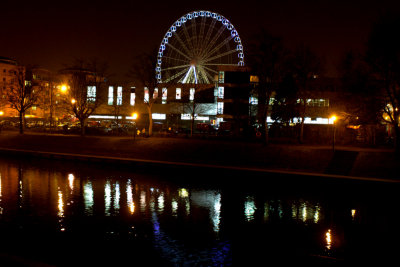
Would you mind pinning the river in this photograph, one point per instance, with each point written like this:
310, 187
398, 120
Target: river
65, 213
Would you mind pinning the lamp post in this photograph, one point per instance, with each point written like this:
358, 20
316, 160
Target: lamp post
63, 88
134, 117
333, 119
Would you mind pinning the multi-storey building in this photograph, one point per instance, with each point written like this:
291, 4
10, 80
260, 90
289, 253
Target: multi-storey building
8, 69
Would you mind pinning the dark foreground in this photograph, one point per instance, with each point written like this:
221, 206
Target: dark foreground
61, 213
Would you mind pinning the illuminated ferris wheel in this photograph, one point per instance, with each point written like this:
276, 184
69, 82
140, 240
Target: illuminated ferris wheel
195, 45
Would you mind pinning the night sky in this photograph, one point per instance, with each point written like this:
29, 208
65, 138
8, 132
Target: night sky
52, 34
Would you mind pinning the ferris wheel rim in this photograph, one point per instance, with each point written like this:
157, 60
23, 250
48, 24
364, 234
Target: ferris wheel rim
181, 22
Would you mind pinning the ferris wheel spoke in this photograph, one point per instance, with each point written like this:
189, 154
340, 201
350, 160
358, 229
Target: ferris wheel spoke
209, 69
175, 59
187, 36
176, 67
205, 74
219, 55
208, 35
178, 51
184, 46
217, 48
213, 40
176, 75
201, 34
194, 34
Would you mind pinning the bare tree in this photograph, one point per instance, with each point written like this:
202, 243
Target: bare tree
196, 101
306, 67
86, 82
383, 55
143, 73
21, 95
266, 55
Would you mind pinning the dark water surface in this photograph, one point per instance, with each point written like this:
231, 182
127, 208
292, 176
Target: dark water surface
84, 214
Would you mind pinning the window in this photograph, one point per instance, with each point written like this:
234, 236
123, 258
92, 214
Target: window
110, 95
221, 77
220, 108
155, 93
91, 94
158, 116
178, 93
119, 95
146, 95
164, 95
191, 94
133, 96
221, 92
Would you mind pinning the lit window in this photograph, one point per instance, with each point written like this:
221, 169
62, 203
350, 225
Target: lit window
221, 92
253, 100
119, 95
158, 116
164, 95
191, 94
155, 93
221, 77
91, 93
146, 95
220, 108
178, 93
110, 95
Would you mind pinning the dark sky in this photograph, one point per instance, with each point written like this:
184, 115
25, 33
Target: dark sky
53, 33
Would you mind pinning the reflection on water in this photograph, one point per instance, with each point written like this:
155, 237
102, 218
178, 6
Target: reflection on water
189, 226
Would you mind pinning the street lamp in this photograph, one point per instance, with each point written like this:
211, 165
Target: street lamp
134, 117
63, 88
333, 119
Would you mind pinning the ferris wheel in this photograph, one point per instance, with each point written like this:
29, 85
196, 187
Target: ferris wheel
195, 45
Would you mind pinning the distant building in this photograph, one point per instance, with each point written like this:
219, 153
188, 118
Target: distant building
8, 68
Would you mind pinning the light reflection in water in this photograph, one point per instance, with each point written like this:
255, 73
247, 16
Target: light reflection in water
143, 201
211, 200
117, 196
71, 179
165, 205
353, 214
88, 198
174, 207
249, 208
328, 239
306, 212
161, 202
129, 197
60, 206
107, 198
216, 213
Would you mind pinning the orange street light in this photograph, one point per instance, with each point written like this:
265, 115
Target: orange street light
1, 113
134, 116
333, 118
73, 101
63, 88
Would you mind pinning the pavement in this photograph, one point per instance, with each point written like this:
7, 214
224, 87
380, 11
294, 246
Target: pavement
373, 164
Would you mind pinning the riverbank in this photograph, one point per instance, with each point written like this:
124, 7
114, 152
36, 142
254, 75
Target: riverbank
350, 162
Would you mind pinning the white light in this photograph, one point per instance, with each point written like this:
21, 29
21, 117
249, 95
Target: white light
158, 116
